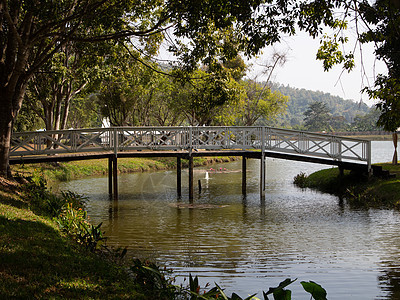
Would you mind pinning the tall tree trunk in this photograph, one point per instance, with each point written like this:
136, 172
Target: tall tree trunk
5, 136
10, 103
65, 112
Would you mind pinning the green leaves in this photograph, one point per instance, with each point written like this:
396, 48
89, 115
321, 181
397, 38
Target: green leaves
279, 292
331, 55
316, 291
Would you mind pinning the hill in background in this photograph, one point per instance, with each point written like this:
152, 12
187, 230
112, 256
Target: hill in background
300, 99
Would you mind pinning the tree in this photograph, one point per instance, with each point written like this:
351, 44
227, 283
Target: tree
164, 109
260, 101
385, 16
381, 20
366, 122
203, 100
61, 79
317, 117
31, 32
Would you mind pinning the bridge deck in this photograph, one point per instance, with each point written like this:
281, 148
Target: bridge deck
184, 155
188, 142
191, 139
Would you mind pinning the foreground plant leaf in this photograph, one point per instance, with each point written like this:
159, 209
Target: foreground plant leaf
316, 291
279, 292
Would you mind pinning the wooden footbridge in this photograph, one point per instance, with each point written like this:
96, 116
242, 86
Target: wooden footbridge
256, 142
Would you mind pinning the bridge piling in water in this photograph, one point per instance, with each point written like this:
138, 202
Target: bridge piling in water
115, 177
179, 176
262, 175
110, 176
244, 175
191, 186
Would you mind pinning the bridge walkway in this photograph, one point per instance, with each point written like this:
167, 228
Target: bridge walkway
188, 142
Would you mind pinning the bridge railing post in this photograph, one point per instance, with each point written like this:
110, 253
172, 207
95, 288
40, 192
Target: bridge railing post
190, 139
37, 143
115, 140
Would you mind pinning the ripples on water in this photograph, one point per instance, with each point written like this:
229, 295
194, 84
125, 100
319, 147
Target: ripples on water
247, 245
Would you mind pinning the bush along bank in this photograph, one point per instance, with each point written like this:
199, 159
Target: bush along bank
49, 249
356, 189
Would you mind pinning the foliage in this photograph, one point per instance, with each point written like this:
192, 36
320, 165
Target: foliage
153, 280
47, 264
367, 122
300, 180
203, 99
126, 88
358, 190
259, 101
381, 20
279, 293
316, 117
32, 33
67, 210
384, 17
74, 222
42, 201
300, 99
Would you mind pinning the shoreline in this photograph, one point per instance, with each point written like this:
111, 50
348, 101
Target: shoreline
65, 171
358, 190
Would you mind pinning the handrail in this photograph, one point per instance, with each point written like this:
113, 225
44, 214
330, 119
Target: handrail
116, 139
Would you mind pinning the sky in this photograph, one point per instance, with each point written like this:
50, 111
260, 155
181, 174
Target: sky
302, 70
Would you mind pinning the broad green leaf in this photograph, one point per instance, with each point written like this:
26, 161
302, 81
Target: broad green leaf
316, 291
281, 286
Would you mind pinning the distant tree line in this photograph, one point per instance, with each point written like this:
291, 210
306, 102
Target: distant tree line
319, 111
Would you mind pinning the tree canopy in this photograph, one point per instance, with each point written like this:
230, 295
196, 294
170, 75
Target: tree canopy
209, 32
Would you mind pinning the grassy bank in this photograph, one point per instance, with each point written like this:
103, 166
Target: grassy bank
78, 169
359, 190
39, 260
386, 137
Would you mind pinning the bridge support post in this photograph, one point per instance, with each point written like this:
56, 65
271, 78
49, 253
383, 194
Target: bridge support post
191, 187
262, 164
262, 175
244, 178
179, 176
110, 175
115, 177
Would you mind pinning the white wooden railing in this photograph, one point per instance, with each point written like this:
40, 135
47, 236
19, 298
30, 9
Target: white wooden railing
118, 139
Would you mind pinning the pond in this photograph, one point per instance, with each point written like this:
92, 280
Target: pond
247, 245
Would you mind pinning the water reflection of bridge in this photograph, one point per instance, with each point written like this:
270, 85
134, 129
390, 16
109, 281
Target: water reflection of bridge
255, 142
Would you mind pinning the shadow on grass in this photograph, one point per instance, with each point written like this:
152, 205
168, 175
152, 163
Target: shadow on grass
37, 262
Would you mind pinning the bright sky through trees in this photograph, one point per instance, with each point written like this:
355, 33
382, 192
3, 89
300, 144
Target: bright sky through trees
302, 70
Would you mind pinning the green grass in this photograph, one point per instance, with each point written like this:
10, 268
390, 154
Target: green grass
39, 261
359, 190
78, 169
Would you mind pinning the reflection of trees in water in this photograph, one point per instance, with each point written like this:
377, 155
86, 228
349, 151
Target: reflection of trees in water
389, 282
389, 279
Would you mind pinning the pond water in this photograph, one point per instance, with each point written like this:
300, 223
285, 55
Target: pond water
247, 245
